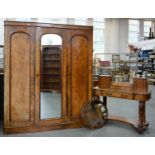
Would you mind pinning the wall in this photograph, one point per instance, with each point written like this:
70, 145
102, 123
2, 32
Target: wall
116, 35
111, 35
123, 35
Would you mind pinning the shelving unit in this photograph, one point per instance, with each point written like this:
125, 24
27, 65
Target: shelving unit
151, 65
120, 64
141, 63
146, 58
51, 68
146, 64
132, 61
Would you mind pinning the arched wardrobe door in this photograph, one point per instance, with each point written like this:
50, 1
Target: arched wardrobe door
80, 71
50, 83
19, 77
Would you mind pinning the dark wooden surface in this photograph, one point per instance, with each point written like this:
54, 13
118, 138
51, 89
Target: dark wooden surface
23, 74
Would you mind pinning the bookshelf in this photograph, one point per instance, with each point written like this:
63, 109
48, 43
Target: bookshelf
51, 68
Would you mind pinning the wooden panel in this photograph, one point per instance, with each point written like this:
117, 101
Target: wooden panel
58, 126
140, 85
20, 77
79, 74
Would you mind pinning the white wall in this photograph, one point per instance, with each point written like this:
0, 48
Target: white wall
111, 35
116, 35
123, 36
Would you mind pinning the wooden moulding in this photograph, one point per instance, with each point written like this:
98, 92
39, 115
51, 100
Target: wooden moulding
140, 85
105, 81
31, 129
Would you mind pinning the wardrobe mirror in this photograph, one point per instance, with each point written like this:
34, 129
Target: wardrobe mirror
50, 80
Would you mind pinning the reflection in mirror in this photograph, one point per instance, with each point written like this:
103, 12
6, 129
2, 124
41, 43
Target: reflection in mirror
50, 81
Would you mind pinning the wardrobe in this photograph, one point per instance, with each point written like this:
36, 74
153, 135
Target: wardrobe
32, 64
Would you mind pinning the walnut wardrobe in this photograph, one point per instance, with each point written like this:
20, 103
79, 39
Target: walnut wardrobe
48, 75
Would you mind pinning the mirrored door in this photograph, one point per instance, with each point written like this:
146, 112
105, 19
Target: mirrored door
50, 79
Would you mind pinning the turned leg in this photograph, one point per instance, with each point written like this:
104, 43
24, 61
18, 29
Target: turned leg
142, 119
105, 101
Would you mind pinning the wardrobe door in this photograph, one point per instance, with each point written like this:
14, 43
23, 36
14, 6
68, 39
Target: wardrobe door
19, 76
80, 71
50, 83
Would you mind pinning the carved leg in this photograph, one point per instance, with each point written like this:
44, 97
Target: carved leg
105, 104
142, 119
105, 101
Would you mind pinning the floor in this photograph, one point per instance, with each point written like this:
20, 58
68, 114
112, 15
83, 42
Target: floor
121, 107
50, 105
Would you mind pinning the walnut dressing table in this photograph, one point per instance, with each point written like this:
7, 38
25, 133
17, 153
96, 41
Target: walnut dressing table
136, 91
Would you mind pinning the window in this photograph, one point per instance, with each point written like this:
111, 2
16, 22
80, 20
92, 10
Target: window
98, 40
147, 26
53, 20
133, 31
81, 21
1, 40
23, 19
59, 20
98, 32
2, 31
